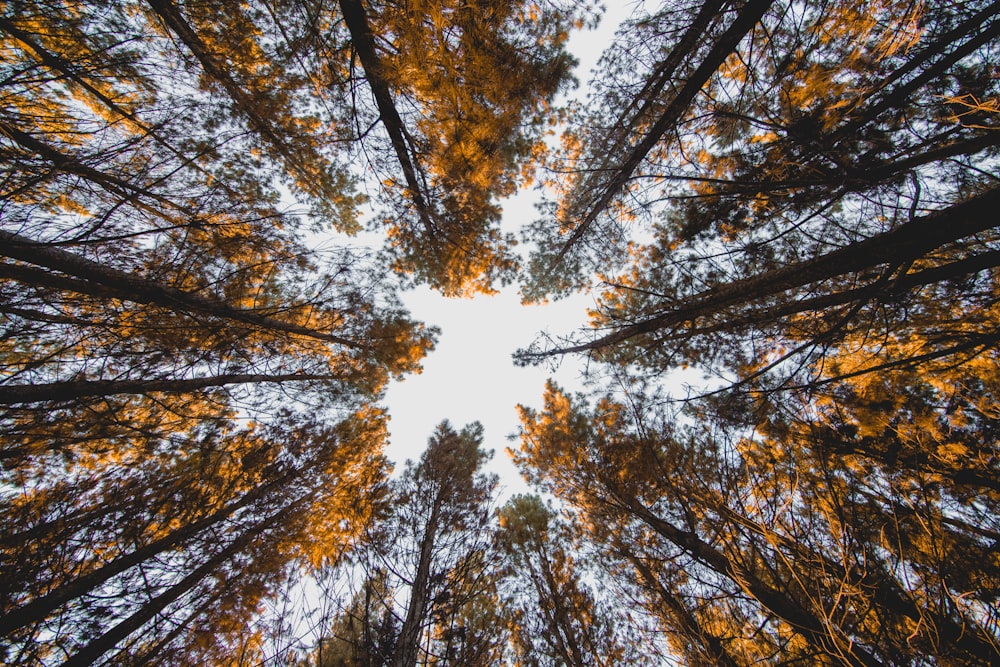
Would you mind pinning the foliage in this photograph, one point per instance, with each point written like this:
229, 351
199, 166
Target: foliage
796, 200
427, 594
790, 199
798, 542
189, 391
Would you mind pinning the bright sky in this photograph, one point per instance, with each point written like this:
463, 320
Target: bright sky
470, 376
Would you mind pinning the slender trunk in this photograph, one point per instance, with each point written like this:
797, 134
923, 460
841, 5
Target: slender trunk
77, 389
155, 655
800, 619
859, 175
660, 76
922, 461
33, 315
892, 289
171, 16
120, 284
408, 644
909, 241
364, 46
42, 607
561, 625
972, 344
863, 177
68, 69
980, 36
71, 165
744, 22
675, 613
107, 641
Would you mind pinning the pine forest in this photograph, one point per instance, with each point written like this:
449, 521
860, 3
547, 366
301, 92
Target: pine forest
210, 213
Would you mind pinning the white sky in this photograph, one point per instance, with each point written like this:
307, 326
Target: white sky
470, 376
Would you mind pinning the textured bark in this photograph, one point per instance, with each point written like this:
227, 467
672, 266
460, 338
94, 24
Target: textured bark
77, 389
909, 241
130, 287
41, 607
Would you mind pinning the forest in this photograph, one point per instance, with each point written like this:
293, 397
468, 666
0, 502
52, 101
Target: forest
209, 211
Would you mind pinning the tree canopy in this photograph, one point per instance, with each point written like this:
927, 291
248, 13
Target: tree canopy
794, 201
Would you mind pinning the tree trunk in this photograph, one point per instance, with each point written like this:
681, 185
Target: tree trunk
801, 620
408, 644
107, 641
762, 317
130, 287
744, 22
66, 68
980, 36
909, 241
552, 605
364, 46
71, 165
41, 607
77, 389
178, 25
673, 611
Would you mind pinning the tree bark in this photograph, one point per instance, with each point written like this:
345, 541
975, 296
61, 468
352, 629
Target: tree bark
909, 241
77, 389
130, 287
41, 607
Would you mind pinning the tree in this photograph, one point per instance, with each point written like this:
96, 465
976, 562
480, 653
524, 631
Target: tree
557, 620
364, 634
189, 391
803, 136
428, 592
159, 541
727, 532
462, 90
771, 234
